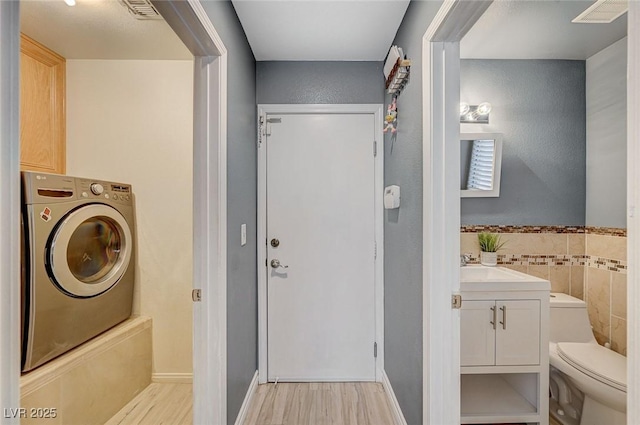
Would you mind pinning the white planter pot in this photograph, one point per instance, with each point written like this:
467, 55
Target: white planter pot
488, 258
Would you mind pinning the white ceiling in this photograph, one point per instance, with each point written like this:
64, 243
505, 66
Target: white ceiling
98, 29
538, 30
352, 30
316, 30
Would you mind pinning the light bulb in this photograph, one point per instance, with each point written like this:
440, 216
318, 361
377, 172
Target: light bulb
484, 108
464, 108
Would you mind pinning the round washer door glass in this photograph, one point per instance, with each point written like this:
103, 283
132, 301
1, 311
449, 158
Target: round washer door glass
90, 250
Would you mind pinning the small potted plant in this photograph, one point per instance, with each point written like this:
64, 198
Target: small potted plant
490, 243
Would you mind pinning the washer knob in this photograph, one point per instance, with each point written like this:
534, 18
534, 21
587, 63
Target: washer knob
97, 188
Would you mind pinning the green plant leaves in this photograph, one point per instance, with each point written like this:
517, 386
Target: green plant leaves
490, 242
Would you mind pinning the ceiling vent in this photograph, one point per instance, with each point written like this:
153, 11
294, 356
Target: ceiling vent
141, 9
602, 12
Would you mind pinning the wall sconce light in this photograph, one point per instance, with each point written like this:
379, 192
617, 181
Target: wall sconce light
475, 114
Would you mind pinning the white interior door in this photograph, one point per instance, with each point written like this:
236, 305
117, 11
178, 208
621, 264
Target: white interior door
320, 209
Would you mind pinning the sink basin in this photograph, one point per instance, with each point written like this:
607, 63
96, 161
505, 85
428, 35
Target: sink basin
484, 274
483, 278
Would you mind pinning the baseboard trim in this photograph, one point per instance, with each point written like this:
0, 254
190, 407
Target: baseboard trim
244, 409
398, 417
172, 378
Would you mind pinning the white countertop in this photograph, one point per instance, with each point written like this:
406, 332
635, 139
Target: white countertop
484, 278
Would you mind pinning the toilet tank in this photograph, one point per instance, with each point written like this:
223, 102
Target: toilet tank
568, 319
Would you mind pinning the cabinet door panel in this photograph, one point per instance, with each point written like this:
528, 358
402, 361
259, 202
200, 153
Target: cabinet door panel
518, 343
42, 108
477, 334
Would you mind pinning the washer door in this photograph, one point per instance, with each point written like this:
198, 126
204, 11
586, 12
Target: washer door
89, 250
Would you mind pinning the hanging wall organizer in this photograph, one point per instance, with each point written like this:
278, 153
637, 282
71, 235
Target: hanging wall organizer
396, 71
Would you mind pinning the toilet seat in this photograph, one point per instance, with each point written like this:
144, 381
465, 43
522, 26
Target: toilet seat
596, 361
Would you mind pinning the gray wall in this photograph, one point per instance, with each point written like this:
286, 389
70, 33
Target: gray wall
539, 107
607, 137
403, 227
319, 82
242, 298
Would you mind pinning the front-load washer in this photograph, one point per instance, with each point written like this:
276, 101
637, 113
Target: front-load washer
78, 262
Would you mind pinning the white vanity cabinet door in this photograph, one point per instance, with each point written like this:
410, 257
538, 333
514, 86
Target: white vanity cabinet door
518, 340
477, 334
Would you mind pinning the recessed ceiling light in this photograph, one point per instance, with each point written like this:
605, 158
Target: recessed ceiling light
70, 2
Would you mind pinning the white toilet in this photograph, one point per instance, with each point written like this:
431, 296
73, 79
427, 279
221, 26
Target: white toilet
588, 382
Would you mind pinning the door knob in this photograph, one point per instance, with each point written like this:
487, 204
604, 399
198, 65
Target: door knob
275, 242
275, 263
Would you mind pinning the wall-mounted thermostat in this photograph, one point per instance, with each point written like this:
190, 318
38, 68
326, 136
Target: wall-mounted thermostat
391, 197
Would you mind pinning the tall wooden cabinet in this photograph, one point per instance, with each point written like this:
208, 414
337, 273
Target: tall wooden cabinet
42, 108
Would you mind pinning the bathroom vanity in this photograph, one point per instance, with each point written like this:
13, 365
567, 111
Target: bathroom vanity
504, 347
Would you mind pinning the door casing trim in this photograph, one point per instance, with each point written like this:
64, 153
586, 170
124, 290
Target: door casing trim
210, 206
441, 208
10, 207
263, 111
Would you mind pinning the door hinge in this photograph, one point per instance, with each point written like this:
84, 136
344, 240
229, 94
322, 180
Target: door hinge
260, 130
196, 295
375, 350
375, 148
456, 301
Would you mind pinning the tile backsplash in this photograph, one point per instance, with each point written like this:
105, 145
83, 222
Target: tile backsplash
587, 262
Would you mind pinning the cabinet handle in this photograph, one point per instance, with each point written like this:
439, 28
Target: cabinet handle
504, 316
493, 322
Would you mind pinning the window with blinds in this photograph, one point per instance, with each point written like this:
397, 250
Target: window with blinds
481, 165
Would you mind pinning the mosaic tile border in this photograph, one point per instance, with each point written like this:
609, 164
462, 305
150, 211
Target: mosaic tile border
607, 264
605, 231
558, 260
521, 229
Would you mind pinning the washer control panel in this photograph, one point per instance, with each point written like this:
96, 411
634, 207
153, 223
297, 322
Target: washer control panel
115, 192
43, 188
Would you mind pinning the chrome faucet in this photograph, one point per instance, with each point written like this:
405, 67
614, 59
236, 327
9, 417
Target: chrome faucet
464, 259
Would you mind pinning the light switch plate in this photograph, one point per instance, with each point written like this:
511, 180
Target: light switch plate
243, 235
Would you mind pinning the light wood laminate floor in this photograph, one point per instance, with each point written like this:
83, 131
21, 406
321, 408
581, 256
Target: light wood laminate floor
158, 404
351, 403
281, 404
